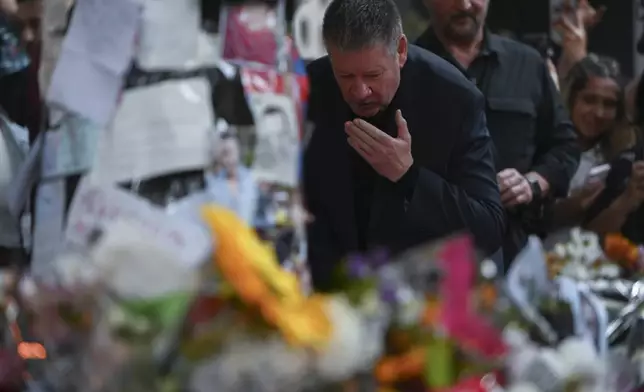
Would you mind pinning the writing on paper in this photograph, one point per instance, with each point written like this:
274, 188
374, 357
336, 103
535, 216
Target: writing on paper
105, 31
96, 206
158, 129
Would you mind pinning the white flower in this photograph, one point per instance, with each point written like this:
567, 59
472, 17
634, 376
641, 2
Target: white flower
352, 347
73, 269
608, 271
247, 364
515, 337
575, 270
410, 309
581, 359
135, 265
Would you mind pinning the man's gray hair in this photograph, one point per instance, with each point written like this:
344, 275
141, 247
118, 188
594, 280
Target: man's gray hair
357, 24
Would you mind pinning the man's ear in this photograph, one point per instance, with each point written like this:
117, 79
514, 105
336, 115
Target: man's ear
403, 46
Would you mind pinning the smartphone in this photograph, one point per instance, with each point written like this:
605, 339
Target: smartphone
599, 173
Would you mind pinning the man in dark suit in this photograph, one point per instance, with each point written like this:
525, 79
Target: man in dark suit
400, 153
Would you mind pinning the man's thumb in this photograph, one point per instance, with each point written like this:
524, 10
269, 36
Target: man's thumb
401, 123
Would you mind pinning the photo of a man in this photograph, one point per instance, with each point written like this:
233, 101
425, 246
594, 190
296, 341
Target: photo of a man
277, 148
229, 182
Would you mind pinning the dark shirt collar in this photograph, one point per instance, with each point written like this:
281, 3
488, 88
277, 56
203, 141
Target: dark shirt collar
492, 45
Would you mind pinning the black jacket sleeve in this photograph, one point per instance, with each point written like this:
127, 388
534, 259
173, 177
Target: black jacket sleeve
557, 154
469, 199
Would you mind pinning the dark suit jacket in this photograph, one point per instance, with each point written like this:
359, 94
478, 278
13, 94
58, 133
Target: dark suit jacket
456, 186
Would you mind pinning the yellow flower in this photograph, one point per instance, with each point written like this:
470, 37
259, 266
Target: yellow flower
252, 269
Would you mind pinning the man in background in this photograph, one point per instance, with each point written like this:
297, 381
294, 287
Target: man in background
536, 150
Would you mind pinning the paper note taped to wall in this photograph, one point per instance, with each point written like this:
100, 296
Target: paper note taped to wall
169, 35
157, 130
95, 206
96, 53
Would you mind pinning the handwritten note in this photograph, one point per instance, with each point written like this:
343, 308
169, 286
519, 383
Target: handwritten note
157, 130
95, 206
70, 148
105, 31
48, 230
169, 34
96, 53
277, 150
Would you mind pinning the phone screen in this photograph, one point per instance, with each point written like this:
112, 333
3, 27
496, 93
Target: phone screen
599, 173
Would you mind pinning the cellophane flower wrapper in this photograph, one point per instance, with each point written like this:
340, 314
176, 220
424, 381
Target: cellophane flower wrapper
115, 324
62, 318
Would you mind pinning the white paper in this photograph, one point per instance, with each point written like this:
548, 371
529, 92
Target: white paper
20, 136
105, 31
569, 292
595, 317
307, 28
94, 206
25, 178
70, 149
157, 130
170, 34
528, 276
96, 53
53, 24
48, 230
277, 150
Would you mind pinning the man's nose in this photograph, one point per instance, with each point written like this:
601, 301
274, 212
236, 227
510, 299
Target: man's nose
28, 35
464, 5
360, 90
601, 112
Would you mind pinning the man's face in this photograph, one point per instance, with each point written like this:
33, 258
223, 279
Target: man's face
30, 13
368, 78
228, 155
458, 20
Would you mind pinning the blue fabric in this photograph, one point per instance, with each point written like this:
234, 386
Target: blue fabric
243, 201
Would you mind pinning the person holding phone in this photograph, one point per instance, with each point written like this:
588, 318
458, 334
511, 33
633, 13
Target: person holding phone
595, 100
621, 208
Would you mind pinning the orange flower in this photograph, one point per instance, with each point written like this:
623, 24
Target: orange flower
252, 269
619, 249
403, 367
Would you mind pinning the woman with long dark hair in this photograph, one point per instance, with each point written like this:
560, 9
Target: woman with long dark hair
595, 100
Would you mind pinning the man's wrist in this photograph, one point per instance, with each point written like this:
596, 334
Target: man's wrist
408, 181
